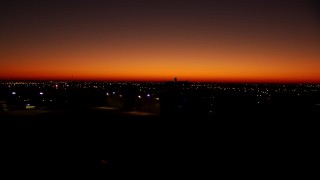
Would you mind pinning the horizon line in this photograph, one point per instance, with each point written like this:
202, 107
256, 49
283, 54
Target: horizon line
172, 80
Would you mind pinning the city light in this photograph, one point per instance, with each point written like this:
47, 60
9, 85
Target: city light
29, 106
185, 96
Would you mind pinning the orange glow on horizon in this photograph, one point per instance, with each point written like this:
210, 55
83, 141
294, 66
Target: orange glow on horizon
227, 41
187, 62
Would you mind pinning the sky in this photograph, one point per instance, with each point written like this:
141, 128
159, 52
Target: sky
157, 40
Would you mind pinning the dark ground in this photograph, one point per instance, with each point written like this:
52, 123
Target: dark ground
98, 144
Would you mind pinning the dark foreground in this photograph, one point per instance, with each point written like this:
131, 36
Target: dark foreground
101, 144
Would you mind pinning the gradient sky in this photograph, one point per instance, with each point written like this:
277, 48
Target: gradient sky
195, 40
